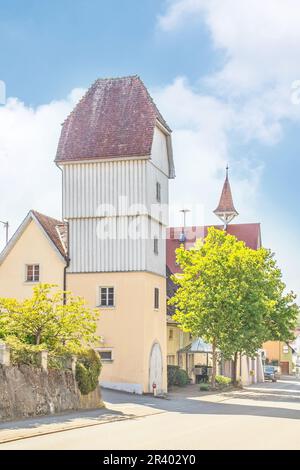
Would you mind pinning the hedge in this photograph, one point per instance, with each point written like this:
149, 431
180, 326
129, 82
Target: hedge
88, 369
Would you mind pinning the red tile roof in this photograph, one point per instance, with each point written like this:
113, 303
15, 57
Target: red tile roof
115, 118
55, 229
249, 233
226, 202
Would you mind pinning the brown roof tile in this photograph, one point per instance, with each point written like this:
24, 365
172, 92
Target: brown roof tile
226, 202
115, 118
55, 229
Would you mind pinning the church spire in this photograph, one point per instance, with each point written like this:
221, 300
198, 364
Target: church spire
226, 210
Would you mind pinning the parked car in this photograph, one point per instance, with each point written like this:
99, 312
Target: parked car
271, 373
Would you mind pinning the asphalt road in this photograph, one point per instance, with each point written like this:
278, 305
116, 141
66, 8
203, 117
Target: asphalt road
264, 416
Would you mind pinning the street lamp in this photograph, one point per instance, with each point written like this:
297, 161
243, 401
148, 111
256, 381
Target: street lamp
5, 224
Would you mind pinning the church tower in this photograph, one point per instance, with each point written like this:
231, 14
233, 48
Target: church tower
226, 210
115, 154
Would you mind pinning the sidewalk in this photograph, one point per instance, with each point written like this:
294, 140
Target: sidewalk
41, 425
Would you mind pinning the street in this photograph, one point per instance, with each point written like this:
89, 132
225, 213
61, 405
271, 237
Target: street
263, 416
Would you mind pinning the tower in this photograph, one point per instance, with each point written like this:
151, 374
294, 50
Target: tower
115, 154
226, 210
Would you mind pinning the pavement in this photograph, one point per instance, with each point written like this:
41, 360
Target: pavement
262, 416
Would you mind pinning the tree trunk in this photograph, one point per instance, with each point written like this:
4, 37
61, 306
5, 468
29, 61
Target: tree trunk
214, 366
234, 366
38, 338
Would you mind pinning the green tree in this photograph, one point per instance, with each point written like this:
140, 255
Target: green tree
45, 319
231, 296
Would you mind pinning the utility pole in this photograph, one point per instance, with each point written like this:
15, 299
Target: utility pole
6, 225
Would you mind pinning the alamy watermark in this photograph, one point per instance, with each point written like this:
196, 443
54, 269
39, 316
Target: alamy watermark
125, 221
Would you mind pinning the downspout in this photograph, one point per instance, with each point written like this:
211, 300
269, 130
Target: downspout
66, 266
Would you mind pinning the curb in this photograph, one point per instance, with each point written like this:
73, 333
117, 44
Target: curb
70, 428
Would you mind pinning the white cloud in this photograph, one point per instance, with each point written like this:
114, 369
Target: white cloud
201, 148
256, 90
29, 178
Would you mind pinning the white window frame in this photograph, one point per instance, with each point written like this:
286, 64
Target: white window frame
100, 296
34, 265
111, 350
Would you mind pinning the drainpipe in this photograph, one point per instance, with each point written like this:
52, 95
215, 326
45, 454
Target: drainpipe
66, 266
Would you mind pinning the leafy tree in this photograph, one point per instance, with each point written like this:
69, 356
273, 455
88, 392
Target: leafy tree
45, 320
231, 296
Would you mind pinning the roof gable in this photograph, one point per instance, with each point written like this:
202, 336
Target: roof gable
53, 229
114, 119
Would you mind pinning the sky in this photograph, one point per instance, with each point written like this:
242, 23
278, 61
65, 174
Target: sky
224, 74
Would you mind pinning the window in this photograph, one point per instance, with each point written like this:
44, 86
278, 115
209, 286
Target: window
190, 336
285, 349
156, 297
32, 273
155, 245
107, 297
106, 355
170, 334
158, 192
171, 360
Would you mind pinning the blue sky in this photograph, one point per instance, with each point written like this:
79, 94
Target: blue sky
221, 73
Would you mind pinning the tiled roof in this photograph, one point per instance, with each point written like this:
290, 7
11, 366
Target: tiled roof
249, 233
55, 229
115, 118
226, 202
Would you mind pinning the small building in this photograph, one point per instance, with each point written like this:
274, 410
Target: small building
280, 354
37, 252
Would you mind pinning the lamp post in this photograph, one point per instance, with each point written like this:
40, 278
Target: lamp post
6, 225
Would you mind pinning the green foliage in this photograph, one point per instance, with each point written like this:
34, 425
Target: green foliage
44, 319
231, 296
222, 380
177, 376
182, 378
204, 387
59, 362
172, 371
22, 353
88, 369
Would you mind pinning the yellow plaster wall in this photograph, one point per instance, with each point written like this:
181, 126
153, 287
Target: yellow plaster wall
180, 340
274, 352
32, 248
132, 326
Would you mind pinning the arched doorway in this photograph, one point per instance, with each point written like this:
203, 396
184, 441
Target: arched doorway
156, 368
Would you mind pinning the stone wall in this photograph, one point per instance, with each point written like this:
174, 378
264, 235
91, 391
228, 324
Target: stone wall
30, 391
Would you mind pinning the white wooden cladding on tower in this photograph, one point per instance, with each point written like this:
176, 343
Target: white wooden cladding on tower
104, 202
113, 188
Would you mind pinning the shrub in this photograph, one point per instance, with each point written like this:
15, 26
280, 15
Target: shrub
22, 353
182, 378
222, 380
172, 371
88, 369
177, 376
204, 387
